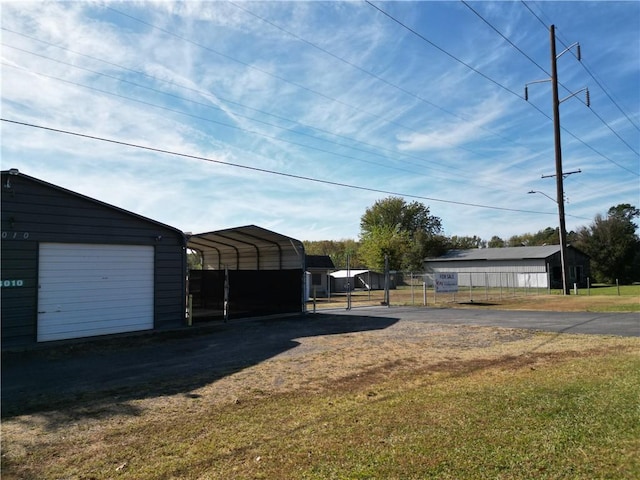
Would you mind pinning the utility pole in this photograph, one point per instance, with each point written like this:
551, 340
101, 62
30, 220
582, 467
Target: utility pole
558, 148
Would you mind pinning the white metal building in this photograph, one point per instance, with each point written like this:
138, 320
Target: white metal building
531, 267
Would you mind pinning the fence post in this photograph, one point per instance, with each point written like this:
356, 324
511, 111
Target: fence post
486, 286
424, 292
348, 283
412, 302
588, 287
618, 286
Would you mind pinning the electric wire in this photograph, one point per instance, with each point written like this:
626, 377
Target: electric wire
310, 90
585, 66
352, 106
413, 31
504, 37
245, 130
215, 97
267, 171
332, 99
541, 68
437, 47
217, 122
367, 72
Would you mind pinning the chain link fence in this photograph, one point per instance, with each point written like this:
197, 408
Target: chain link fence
419, 289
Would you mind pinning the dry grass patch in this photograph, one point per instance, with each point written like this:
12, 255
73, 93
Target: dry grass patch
410, 401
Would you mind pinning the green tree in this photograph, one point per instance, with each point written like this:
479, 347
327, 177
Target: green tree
496, 242
405, 232
384, 241
466, 243
337, 250
613, 245
194, 260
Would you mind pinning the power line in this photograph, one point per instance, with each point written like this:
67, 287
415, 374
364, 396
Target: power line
264, 170
298, 85
437, 47
541, 68
209, 120
207, 94
587, 69
504, 37
217, 122
367, 72
278, 77
257, 69
495, 82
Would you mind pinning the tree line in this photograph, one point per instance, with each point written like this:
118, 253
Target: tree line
406, 233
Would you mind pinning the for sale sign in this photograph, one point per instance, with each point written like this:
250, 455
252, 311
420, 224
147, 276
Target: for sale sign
446, 282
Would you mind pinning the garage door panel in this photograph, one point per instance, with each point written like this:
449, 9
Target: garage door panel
92, 293
88, 309
64, 334
87, 290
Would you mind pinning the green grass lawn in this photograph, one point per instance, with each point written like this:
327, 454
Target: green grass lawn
574, 417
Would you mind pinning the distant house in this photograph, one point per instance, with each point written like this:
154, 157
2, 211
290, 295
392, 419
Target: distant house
536, 267
319, 267
349, 280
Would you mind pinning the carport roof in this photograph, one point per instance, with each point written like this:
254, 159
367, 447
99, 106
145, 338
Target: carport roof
248, 248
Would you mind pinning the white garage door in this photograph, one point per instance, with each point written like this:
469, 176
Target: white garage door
87, 290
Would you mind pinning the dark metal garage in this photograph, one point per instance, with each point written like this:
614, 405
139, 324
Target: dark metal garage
75, 267
246, 271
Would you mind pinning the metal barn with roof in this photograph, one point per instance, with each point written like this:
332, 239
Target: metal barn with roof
75, 267
246, 271
538, 267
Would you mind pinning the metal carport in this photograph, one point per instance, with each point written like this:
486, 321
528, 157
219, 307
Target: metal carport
246, 271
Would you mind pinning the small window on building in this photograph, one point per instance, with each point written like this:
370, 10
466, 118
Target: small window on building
316, 279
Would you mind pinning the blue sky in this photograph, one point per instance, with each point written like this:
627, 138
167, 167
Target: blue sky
297, 116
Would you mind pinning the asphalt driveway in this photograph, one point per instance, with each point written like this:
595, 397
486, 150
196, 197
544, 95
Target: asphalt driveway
622, 324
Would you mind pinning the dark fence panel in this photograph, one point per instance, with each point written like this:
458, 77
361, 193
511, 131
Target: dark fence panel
251, 293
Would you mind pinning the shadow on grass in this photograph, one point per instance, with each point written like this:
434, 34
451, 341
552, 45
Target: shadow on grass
96, 378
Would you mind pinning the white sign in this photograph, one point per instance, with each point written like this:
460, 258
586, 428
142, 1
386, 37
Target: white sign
446, 282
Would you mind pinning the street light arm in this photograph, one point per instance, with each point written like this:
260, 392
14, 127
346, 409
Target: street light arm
542, 193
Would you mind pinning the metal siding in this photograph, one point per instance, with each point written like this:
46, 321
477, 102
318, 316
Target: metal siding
170, 286
88, 290
18, 305
34, 211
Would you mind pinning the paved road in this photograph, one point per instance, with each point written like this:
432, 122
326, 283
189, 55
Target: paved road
622, 324
166, 363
